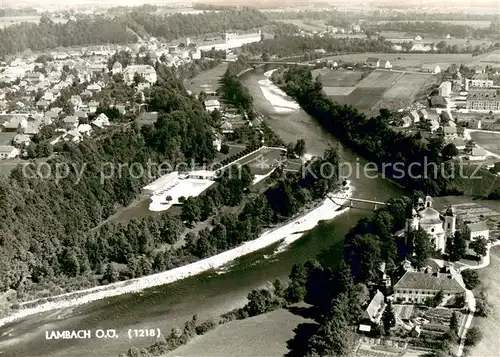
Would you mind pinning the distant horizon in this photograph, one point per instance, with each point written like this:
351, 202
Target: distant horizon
445, 5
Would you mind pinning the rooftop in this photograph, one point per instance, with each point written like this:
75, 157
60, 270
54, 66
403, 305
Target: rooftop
427, 281
477, 227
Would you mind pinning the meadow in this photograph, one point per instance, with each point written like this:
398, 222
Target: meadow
379, 89
207, 81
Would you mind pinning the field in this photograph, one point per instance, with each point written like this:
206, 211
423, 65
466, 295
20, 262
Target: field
380, 79
338, 91
307, 25
406, 89
380, 89
264, 335
9, 21
207, 81
361, 98
489, 58
340, 78
476, 24
489, 141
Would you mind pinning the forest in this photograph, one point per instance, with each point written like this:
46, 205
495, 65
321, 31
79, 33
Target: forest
290, 45
105, 30
433, 170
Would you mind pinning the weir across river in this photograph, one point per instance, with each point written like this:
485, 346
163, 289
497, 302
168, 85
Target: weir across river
351, 200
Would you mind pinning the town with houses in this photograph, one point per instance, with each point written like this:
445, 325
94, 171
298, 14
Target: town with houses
30, 90
62, 95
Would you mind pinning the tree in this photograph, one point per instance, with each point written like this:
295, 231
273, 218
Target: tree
479, 246
296, 289
449, 151
454, 322
470, 278
388, 317
138, 78
333, 337
191, 211
110, 275
224, 149
459, 246
68, 108
473, 336
266, 57
422, 247
300, 147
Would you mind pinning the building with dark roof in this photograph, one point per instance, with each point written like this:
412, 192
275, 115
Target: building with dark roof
484, 99
417, 287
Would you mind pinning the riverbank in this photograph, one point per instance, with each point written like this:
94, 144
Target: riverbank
287, 234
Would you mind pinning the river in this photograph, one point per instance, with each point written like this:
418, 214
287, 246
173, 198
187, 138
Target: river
210, 294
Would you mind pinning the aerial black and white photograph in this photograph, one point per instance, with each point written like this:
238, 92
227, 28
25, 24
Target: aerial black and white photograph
250, 178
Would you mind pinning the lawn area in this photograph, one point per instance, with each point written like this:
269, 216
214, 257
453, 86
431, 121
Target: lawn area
146, 118
263, 335
338, 78
207, 81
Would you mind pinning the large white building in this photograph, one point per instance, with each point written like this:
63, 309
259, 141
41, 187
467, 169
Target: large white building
437, 226
478, 229
230, 41
445, 89
479, 80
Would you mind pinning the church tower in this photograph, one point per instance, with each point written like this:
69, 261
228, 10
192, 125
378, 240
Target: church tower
450, 222
428, 201
412, 222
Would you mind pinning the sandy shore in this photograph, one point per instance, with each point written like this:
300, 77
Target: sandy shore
287, 234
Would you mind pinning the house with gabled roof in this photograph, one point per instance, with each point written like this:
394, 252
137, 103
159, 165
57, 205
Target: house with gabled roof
101, 121
373, 62
71, 122
8, 152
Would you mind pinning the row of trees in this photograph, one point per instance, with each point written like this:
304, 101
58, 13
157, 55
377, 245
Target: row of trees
373, 138
290, 45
